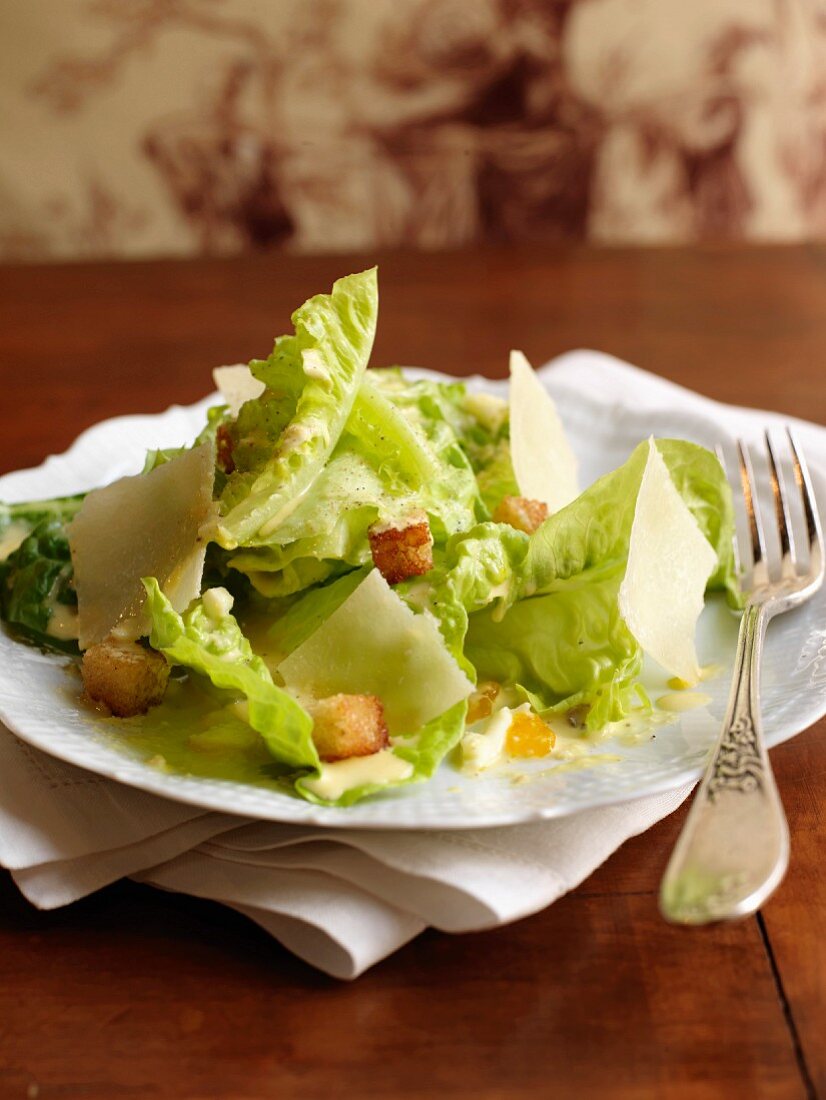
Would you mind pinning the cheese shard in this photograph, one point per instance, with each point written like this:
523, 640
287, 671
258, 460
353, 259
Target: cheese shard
373, 644
237, 385
544, 465
152, 525
669, 563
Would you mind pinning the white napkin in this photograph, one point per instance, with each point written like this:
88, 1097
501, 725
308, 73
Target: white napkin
341, 899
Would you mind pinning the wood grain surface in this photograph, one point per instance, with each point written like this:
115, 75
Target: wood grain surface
136, 993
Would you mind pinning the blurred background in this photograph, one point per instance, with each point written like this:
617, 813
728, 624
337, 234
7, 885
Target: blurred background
136, 128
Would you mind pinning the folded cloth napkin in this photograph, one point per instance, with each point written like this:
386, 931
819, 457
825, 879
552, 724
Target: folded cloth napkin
343, 899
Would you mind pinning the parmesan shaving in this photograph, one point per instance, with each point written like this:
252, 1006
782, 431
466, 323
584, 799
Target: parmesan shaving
669, 563
237, 385
152, 525
543, 462
373, 644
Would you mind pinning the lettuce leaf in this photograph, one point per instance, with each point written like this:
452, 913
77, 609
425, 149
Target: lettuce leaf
567, 649
217, 649
478, 422
594, 530
283, 439
424, 751
36, 579
542, 611
391, 460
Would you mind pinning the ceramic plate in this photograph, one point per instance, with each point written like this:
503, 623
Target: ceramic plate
608, 408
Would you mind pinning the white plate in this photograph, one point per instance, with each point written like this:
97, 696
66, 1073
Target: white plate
608, 407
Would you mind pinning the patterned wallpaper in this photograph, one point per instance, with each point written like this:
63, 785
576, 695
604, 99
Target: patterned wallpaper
144, 127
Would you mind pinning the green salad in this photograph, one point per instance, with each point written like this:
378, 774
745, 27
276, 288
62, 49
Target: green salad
350, 573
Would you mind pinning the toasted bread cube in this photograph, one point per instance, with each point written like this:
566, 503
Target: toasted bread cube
348, 725
124, 677
401, 552
522, 513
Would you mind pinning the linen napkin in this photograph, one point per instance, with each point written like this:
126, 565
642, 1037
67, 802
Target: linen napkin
340, 899
343, 899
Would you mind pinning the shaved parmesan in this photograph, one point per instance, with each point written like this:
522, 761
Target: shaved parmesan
237, 385
669, 563
543, 462
373, 644
151, 525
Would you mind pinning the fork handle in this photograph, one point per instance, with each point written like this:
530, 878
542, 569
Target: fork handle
734, 847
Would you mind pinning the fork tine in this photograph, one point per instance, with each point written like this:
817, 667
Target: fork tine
781, 509
735, 542
760, 572
813, 531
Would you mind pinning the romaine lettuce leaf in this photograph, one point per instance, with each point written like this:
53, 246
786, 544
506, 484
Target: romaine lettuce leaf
35, 583
283, 438
217, 649
27, 515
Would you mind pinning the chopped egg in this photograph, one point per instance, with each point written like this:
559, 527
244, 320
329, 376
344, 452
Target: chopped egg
528, 736
515, 733
482, 748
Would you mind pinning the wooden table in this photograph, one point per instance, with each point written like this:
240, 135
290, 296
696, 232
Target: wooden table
137, 993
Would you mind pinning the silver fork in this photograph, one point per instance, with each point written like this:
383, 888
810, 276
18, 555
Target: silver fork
734, 847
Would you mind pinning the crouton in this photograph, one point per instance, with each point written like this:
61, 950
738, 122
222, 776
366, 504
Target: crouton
348, 725
401, 552
522, 513
124, 677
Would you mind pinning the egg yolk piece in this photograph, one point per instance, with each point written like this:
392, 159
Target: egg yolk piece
528, 736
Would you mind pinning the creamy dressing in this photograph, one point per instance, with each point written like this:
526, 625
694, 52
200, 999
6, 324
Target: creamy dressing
314, 366
62, 621
380, 768
12, 537
295, 435
580, 763
678, 701
483, 746
634, 729
711, 672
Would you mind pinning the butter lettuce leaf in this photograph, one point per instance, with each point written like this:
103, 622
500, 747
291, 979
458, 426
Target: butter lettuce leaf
542, 611
217, 648
568, 649
391, 461
282, 440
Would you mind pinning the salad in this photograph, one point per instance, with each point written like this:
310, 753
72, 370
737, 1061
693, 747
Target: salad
351, 574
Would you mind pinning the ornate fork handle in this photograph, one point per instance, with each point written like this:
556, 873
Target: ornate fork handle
734, 847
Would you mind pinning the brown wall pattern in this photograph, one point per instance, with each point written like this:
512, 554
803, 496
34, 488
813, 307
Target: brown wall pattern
139, 127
